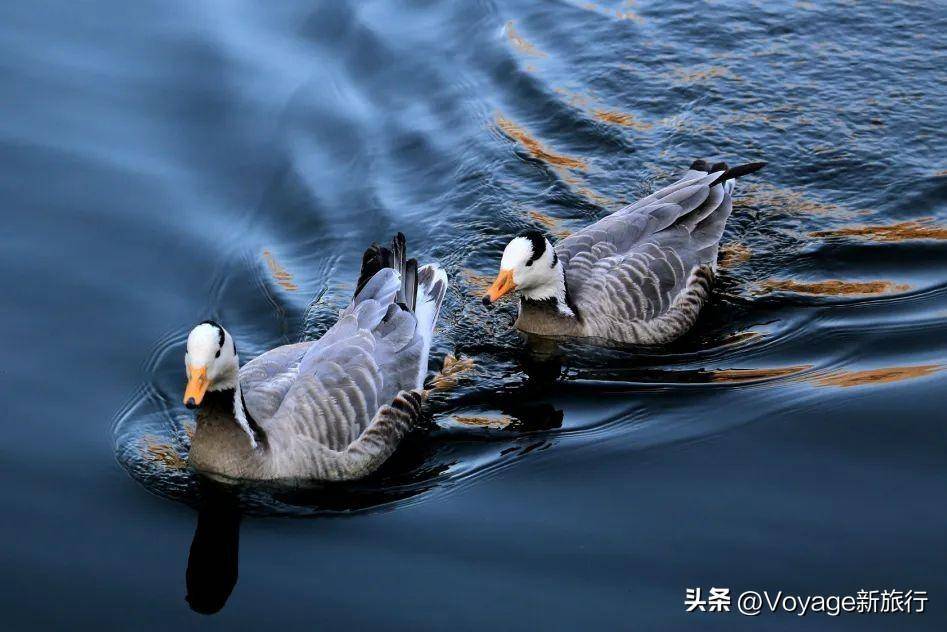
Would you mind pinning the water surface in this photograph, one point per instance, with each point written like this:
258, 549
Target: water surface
168, 162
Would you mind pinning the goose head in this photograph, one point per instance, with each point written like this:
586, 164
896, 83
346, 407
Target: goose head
211, 362
529, 266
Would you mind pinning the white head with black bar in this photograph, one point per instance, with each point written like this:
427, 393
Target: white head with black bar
212, 364
531, 267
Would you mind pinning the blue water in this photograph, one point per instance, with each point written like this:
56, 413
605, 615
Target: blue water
166, 162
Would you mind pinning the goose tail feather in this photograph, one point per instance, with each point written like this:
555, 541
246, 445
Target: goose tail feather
378, 258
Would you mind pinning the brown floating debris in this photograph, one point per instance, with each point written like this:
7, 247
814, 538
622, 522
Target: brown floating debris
479, 282
283, 278
484, 421
846, 379
739, 337
524, 46
162, 453
621, 14
747, 117
833, 287
621, 118
559, 163
753, 375
594, 196
696, 74
552, 224
628, 15
546, 220
732, 255
536, 148
451, 371
789, 201
923, 228
574, 98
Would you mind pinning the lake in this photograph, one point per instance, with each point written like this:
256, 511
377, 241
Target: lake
167, 162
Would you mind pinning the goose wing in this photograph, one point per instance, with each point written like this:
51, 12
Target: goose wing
633, 264
267, 378
368, 451
362, 362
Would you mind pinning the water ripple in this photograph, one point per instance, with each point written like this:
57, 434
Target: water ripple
466, 123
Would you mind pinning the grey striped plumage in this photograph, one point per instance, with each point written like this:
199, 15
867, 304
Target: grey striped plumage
334, 408
642, 274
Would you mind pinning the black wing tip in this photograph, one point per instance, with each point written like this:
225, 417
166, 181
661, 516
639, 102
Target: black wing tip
736, 172
409, 283
375, 258
378, 257
750, 167
399, 246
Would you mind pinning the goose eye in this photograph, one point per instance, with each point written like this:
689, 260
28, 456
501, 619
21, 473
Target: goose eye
217, 355
529, 263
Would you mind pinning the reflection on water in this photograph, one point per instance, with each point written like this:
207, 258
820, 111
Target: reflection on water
780, 199
867, 377
283, 278
752, 375
536, 149
922, 228
521, 44
213, 559
625, 119
162, 453
453, 369
419, 464
167, 162
833, 287
732, 255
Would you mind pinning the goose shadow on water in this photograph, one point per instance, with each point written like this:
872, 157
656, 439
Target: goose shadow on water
213, 560
423, 461
435, 456
416, 467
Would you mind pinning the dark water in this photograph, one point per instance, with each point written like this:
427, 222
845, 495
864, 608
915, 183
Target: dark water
166, 162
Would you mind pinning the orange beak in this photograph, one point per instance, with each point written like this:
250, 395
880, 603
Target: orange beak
197, 384
503, 285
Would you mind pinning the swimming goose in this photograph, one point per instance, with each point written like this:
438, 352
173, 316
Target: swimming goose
329, 409
637, 276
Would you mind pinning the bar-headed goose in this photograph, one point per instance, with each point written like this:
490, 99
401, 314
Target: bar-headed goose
329, 409
637, 276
